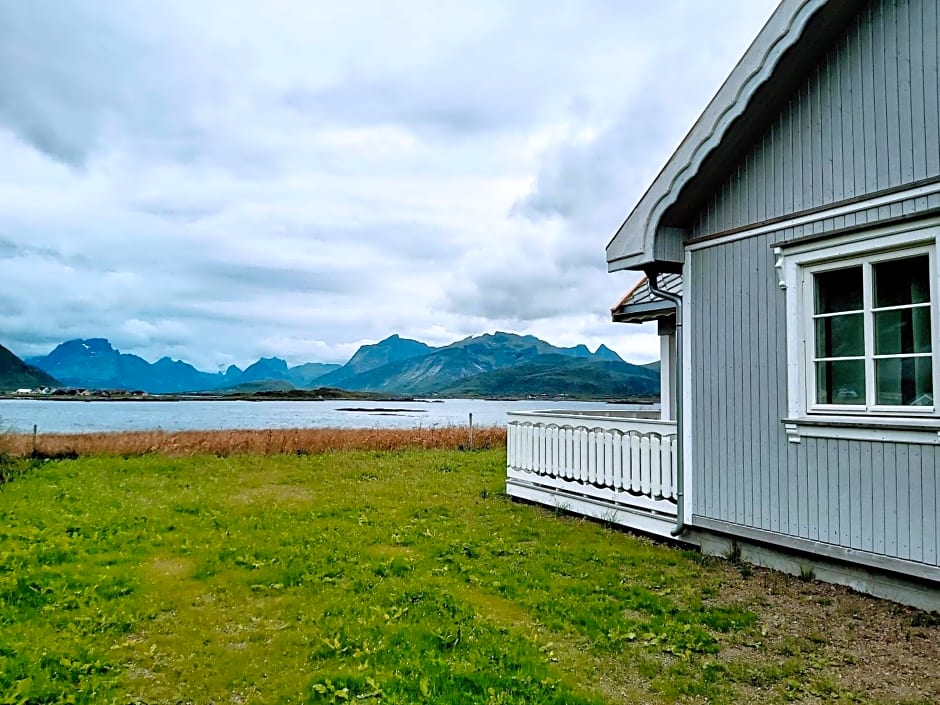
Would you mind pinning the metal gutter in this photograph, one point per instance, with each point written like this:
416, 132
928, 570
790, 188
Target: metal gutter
651, 281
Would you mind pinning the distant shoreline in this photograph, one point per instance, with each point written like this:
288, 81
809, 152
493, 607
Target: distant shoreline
303, 395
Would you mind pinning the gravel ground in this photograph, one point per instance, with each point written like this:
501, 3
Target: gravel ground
855, 648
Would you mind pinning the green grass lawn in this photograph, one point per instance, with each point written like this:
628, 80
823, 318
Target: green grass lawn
402, 577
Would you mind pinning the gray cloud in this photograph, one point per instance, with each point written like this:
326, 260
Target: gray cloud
577, 180
11, 306
185, 213
9, 249
597, 180
222, 180
516, 299
71, 77
12, 250
225, 277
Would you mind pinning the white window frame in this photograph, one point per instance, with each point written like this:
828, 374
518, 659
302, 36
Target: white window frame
870, 405
797, 264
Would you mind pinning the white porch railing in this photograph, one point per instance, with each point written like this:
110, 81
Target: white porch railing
609, 465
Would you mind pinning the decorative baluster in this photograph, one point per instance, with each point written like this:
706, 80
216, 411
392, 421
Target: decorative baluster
674, 458
556, 453
563, 446
573, 452
645, 465
634, 463
565, 455
666, 465
618, 460
547, 451
656, 473
542, 450
520, 447
536, 436
608, 459
626, 450
586, 454
509, 458
592, 457
573, 457
581, 452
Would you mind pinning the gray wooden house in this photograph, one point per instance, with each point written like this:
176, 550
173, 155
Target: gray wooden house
802, 212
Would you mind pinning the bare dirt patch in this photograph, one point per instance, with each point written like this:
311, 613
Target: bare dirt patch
496, 609
851, 646
389, 551
169, 567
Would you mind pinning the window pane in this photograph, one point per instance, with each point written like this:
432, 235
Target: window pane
902, 281
904, 381
839, 290
905, 330
841, 382
840, 336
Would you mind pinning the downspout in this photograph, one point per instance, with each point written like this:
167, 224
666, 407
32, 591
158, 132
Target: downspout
651, 280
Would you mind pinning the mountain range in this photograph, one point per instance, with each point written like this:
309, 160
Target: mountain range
95, 364
401, 366
497, 364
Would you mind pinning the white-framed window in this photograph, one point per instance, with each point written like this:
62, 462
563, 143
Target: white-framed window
862, 325
870, 343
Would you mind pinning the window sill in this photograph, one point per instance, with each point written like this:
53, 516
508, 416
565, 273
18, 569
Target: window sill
892, 430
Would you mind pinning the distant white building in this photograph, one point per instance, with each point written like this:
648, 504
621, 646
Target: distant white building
24, 391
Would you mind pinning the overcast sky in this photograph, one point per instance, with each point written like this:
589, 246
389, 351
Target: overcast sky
220, 181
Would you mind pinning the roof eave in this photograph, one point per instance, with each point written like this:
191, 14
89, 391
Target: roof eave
642, 313
634, 244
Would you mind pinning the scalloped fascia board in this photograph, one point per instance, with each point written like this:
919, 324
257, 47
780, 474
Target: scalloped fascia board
633, 244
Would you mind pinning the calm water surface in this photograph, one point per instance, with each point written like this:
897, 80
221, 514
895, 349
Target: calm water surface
19, 415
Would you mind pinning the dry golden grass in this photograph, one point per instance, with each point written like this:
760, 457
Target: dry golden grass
266, 442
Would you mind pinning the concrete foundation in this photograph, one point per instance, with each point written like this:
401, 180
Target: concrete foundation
924, 595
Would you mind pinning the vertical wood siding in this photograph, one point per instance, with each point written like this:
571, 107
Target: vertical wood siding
871, 496
866, 119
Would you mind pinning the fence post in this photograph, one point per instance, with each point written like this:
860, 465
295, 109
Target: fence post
34, 440
471, 430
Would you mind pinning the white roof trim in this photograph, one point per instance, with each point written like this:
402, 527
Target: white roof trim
633, 244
